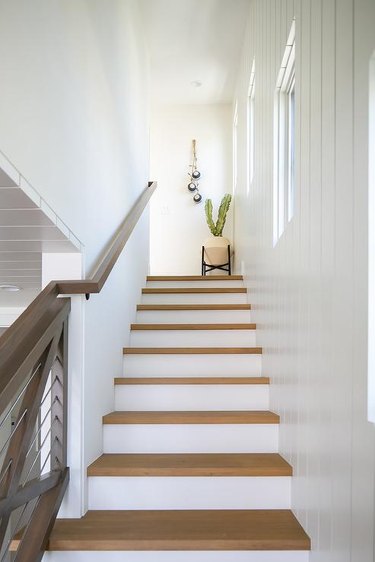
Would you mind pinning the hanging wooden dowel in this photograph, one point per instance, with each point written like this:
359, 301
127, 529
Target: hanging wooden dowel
194, 174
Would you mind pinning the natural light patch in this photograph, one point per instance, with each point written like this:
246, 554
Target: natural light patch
235, 153
250, 128
371, 247
284, 140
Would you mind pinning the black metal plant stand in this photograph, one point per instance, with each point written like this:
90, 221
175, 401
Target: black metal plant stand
206, 267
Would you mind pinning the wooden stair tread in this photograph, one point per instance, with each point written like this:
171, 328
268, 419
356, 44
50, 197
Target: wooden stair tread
241, 326
190, 380
192, 417
192, 350
188, 464
192, 290
180, 530
194, 278
193, 307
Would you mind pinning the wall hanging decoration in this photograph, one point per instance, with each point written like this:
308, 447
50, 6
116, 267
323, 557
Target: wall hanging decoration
194, 175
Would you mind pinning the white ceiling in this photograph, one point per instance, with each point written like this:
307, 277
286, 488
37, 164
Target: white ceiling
28, 228
194, 40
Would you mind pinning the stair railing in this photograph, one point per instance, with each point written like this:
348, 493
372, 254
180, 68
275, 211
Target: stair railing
33, 406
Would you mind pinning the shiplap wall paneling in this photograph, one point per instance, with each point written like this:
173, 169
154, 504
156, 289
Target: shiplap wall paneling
362, 521
327, 464
343, 275
309, 292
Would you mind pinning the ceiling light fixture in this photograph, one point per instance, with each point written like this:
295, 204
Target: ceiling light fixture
10, 288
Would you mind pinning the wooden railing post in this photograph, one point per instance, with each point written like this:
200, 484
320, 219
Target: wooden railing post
59, 403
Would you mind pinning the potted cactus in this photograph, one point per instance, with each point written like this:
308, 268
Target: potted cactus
215, 251
218, 227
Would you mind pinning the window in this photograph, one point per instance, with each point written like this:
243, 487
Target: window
250, 128
235, 164
291, 99
284, 141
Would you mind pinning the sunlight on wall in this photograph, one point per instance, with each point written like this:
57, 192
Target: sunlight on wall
371, 246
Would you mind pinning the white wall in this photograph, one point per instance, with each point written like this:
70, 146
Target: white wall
178, 225
74, 120
310, 291
73, 109
8, 315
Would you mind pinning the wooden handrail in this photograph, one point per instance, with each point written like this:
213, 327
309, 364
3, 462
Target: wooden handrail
95, 282
32, 351
26, 322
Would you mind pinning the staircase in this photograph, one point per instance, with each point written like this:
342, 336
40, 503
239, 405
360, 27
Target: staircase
190, 470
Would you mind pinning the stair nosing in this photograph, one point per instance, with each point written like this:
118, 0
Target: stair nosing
191, 380
193, 290
181, 530
211, 417
193, 326
192, 350
190, 464
194, 278
163, 307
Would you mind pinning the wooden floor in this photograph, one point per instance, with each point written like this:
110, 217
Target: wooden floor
194, 417
181, 530
190, 464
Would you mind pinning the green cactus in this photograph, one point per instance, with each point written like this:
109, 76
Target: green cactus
208, 210
217, 229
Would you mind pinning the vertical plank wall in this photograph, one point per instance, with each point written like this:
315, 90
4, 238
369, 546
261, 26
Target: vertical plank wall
310, 291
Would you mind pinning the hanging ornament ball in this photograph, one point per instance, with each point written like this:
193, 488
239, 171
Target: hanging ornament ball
196, 174
197, 198
192, 186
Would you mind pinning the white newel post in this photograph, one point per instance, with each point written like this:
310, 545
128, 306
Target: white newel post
70, 266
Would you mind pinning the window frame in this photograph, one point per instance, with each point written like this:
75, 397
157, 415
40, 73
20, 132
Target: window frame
251, 128
290, 172
284, 141
371, 246
235, 147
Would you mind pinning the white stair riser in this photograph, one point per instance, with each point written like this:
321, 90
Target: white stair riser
194, 284
178, 556
192, 338
192, 365
189, 492
195, 298
191, 397
190, 438
192, 316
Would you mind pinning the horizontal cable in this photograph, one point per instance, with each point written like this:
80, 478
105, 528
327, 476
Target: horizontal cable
13, 431
6, 416
41, 426
37, 456
45, 462
55, 380
5, 470
47, 394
